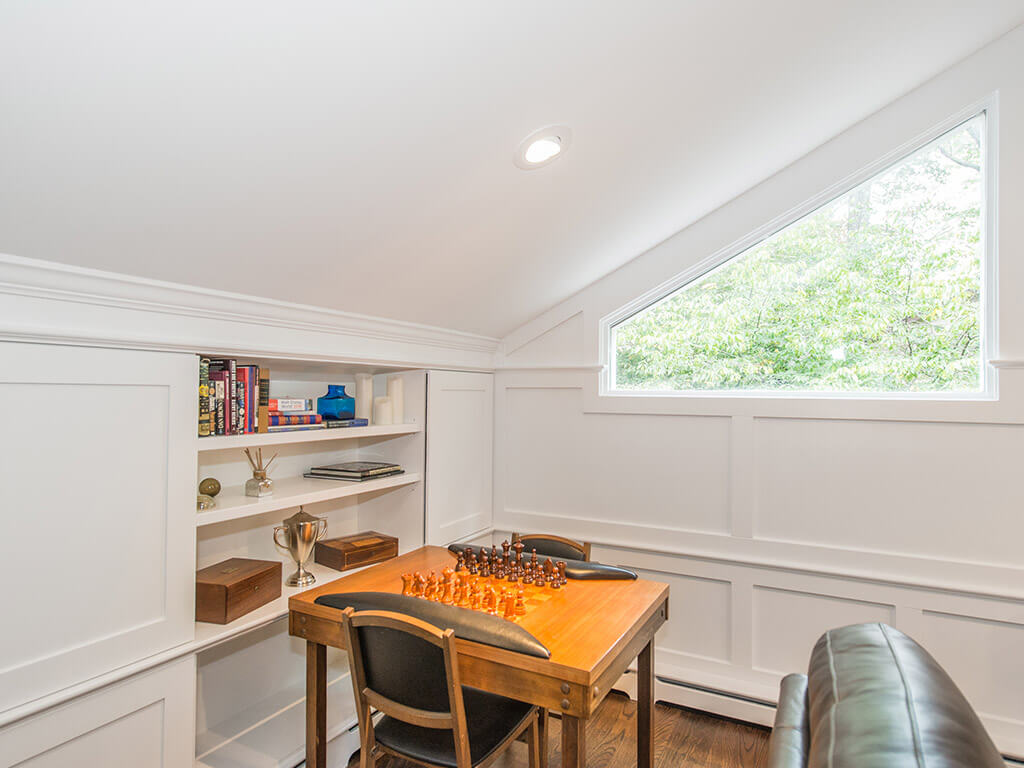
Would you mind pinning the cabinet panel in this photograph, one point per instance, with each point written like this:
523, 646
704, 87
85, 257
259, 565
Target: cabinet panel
144, 721
96, 485
460, 438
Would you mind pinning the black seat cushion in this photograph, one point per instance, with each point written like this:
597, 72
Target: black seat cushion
490, 720
468, 624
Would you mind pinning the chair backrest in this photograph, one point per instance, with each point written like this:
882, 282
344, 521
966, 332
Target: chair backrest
558, 547
407, 669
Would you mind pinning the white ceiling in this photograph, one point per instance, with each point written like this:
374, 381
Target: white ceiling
358, 155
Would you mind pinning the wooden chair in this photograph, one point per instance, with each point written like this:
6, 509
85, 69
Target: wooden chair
556, 547
409, 671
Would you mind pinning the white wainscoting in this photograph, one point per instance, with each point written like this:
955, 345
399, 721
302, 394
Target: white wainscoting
96, 478
772, 530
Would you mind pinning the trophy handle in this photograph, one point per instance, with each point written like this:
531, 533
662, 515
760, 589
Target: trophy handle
322, 525
278, 543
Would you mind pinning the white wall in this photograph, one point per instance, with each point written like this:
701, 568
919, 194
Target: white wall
776, 518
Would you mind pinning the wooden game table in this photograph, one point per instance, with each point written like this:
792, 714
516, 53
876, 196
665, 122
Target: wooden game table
594, 629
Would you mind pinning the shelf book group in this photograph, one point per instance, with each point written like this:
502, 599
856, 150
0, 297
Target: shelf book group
235, 400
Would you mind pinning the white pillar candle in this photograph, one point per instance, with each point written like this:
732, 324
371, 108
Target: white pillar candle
396, 394
382, 410
364, 396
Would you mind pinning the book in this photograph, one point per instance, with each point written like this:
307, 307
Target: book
263, 406
358, 468
341, 423
204, 397
278, 421
219, 380
244, 383
290, 404
355, 479
295, 427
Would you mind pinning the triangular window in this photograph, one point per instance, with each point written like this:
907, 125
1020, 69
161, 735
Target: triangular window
879, 290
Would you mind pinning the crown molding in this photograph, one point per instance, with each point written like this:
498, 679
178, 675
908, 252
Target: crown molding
32, 278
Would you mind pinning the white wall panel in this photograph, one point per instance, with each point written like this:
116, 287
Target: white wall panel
985, 657
929, 489
786, 624
97, 474
143, 722
653, 471
690, 596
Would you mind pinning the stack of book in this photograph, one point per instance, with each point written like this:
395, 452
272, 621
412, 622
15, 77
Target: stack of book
357, 471
232, 398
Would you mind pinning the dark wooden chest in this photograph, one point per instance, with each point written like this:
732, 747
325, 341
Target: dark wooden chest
235, 587
354, 551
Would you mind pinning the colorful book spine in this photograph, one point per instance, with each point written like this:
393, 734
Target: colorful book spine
264, 402
219, 381
281, 420
233, 389
243, 398
204, 397
288, 404
254, 372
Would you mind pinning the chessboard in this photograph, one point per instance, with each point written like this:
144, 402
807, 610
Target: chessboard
502, 584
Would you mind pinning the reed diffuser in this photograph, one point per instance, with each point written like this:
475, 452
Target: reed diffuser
259, 484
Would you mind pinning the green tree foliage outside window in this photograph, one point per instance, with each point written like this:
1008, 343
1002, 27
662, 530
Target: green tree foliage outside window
876, 291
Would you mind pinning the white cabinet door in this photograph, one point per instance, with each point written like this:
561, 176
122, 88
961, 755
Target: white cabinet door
145, 721
460, 445
97, 509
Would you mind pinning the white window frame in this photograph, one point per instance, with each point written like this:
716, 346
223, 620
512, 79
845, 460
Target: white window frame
989, 289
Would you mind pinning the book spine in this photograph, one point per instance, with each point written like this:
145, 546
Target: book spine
251, 394
221, 410
277, 421
264, 404
204, 397
233, 391
286, 404
243, 400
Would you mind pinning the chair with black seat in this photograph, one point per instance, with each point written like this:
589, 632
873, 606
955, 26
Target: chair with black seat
408, 670
556, 547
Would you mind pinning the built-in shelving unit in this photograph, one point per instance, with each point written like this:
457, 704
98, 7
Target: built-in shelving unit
260, 723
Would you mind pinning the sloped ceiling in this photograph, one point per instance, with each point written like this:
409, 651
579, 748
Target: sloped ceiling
358, 155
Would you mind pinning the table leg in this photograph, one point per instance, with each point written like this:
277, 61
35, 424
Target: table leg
574, 742
542, 735
645, 707
316, 705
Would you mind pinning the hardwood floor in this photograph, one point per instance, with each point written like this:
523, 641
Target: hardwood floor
682, 739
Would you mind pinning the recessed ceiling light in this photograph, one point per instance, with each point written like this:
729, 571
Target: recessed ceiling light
542, 147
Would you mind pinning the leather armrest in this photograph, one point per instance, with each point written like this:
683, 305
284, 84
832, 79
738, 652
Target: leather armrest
791, 733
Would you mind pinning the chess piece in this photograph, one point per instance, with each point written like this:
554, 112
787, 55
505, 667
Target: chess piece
474, 596
561, 566
448, 594
519, 547
506, 547
491, 601
460, 565
549, 568
474, 564
407, 584
485, 563
510, 606
520, 608
431, 591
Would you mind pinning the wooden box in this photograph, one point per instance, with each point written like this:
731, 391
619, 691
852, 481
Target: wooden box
235, 587
355, 551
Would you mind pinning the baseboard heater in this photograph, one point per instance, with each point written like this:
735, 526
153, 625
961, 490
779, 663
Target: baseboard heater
717, 692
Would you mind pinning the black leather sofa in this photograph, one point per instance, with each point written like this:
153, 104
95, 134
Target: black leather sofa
873, 698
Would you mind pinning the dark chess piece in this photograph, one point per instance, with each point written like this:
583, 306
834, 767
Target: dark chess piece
561, 566
460, 564
471, 562
519, 547
549, 568
485, 564
506, 547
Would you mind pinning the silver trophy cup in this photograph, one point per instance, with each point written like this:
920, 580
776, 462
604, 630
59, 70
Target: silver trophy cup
301, 533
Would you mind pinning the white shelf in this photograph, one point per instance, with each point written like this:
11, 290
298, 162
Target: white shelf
233, 504
207, 635
225, 442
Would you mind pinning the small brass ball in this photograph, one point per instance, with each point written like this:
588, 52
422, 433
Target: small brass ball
209, 486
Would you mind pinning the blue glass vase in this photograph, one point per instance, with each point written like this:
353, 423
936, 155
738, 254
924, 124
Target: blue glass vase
336, 404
